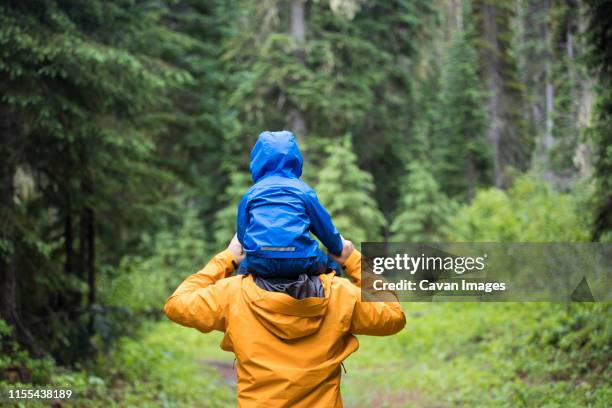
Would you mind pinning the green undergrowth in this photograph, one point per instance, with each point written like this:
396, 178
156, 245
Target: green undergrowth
487, 355
165, 365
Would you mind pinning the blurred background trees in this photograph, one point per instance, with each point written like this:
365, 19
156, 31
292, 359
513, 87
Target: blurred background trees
126, 126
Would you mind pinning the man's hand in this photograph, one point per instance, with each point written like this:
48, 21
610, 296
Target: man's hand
235, 247
347, 248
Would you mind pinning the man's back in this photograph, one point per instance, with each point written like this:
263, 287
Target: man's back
289, 351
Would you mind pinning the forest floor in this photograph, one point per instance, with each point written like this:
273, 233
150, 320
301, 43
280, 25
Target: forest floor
449, 355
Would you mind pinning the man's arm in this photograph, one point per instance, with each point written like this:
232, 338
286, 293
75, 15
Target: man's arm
382, 315
321, 224
199, 302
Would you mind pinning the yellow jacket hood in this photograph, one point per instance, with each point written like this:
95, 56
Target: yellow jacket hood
286, 317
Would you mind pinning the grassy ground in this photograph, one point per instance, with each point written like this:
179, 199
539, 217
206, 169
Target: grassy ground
165, 366
474, 355
449, 355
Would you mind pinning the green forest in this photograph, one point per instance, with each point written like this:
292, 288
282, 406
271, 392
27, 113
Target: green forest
126, 128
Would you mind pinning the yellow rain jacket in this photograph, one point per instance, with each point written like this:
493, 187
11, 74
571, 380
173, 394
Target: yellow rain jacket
288, 351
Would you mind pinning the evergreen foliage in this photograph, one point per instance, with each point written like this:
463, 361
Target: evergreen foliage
423, 210
74, 111
90, 124
600, 60
570, 84
466, 160
225, 219
346, 191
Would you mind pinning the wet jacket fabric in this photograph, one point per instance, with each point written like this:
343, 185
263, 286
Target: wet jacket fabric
278, 211
288, 351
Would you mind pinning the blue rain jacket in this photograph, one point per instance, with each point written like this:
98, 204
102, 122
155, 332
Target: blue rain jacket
278, 211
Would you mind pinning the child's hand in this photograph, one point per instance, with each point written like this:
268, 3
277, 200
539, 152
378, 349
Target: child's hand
347, 248
235, 247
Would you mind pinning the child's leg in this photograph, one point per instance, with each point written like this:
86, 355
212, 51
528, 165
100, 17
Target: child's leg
279, 267
242, 268
333, 265
322, 263
288, 267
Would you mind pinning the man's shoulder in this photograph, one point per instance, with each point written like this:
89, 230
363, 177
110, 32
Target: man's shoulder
342, 287
233, 282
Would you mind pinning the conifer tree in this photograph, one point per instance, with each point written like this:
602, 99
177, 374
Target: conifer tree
461, 132
572, 91
73, 107
346, 191
535, 60
423, 210
600, 61
199, 121
111, 127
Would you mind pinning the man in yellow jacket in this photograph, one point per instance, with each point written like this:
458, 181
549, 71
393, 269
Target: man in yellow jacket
289, 336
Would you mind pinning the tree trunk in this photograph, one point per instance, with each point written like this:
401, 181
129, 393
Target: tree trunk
9, 308
87, 237
87, 259
8, 279
82, 257
298, 33
69, 299
68, 240
91, 256
9, 284
298, 25
455, 19
491, 70
510, 143
548, 137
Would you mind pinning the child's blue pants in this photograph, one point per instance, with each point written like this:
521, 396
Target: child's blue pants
287, 267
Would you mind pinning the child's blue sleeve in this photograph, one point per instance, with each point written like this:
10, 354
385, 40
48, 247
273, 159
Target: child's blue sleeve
321, 224
241, 219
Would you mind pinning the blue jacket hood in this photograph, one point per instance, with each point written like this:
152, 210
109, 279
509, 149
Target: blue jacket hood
276, 153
